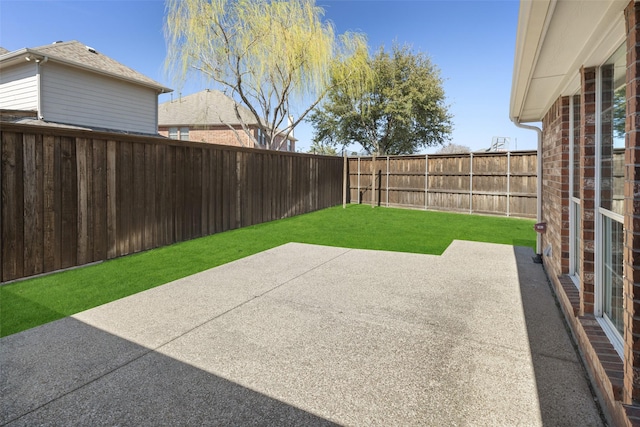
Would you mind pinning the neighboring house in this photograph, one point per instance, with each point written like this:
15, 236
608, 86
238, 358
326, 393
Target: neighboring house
73, 84
577, 71
210, 116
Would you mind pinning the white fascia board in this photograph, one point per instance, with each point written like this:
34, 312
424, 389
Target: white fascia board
533, 19
17, 56
535, 44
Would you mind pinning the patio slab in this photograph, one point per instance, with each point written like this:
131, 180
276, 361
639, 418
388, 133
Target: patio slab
312, 335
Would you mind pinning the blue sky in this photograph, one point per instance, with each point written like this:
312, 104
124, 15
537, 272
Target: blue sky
472, 42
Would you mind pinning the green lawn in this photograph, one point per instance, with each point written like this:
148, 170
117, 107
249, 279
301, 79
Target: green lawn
36, 301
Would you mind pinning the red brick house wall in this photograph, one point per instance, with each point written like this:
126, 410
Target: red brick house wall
616, 379
587, 187
632, 209
221, 135
555, 187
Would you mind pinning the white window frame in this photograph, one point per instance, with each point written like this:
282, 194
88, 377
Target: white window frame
573, 201
607, 326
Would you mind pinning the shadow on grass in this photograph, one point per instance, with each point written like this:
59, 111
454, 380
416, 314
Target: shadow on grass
21, 317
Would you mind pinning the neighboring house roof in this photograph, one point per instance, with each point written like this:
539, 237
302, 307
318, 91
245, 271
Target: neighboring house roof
554, 39
78, 55
3, 50
209, 107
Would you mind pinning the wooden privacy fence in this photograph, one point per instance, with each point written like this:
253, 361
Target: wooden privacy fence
492, 183
74, 197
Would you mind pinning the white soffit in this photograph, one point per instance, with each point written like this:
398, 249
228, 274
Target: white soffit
555, 39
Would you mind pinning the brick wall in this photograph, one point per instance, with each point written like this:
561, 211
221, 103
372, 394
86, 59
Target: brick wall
221, 135
603, 364
587, 188
555, 187
616, 380
632, 210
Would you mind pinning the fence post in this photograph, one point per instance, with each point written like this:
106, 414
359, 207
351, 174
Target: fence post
387, 181
344, 180
373, 181
359, 200
508, 181
426, 181
470, 182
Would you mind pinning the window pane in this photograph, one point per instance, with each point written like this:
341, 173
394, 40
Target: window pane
613, 103
184, 134
613, 256
173, 133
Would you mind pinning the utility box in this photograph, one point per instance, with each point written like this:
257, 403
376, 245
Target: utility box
540, 227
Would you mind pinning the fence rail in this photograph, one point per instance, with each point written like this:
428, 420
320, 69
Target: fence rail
75, 197
493, 183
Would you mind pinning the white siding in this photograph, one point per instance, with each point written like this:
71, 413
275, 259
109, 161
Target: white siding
18, 87
82, 98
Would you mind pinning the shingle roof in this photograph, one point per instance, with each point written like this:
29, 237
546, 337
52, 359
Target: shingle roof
77, 54
3, 50
209, 107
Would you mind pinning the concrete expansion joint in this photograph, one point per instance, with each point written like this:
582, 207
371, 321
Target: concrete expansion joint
242, 304
80, 387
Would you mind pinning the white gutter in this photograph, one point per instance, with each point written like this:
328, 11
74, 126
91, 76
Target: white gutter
539, 179
16, 56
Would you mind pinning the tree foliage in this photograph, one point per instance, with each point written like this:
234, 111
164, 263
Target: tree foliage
399, 108
271, 56
324, 149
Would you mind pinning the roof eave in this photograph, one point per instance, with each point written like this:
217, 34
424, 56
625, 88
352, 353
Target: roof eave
14, 57
159, 88
533, 19
554, 40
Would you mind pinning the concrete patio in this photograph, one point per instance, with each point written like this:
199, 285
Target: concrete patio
312, 335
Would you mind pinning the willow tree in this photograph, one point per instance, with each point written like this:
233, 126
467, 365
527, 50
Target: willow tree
277, 58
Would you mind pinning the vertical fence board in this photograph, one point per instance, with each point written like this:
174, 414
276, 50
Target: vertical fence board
137, 217
149, 233
204, 193
125, 199
112, 198
12, 207
99, 200
71, 197
169, 189
32, 205
179, 194
69, 203
51, 244
82, 151
481, 182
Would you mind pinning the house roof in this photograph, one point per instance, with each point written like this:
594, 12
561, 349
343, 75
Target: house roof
3, 50
209, 107
78, 55
554, 40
